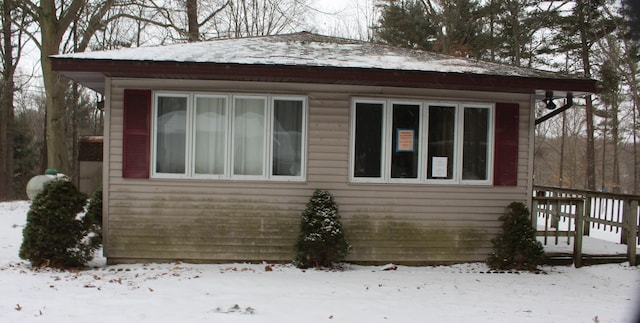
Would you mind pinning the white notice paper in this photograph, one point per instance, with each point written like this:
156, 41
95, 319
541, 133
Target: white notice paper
439, 167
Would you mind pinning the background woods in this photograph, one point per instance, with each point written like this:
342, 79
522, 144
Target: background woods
593, 145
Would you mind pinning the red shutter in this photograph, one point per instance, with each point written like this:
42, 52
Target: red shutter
136, 134
505, 165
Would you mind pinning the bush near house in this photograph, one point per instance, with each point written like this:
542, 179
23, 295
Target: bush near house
321, 242
55, 235
516, 247
93, 219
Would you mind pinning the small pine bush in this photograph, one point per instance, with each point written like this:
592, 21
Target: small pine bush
321, 241
55, 235
93, 219
516, 247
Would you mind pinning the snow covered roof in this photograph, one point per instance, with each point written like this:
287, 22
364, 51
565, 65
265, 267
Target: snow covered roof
299, 50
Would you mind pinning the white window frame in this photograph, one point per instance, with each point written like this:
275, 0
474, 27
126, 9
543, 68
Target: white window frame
389, 149
227, 134
457, 150
230, 99
490, 142
303, 139
387, 142
154, 129
232, 131
352, 142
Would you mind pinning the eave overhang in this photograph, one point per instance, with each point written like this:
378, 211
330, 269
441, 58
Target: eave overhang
92, 73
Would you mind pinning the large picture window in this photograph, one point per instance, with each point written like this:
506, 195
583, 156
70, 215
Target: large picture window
228, 136
421, 142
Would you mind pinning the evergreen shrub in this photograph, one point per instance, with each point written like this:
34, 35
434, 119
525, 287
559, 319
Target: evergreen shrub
516, 246
56, 235
93, 219
321, 242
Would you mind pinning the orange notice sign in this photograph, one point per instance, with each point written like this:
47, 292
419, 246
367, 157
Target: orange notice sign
405, 140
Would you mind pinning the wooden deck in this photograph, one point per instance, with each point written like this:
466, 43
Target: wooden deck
586, 227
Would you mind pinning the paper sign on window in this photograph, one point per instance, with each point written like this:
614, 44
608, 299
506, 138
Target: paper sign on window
404, 140
439, 167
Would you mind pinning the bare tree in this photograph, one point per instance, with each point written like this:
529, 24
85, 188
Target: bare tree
12, 46
243, 18
181, 20
55, 20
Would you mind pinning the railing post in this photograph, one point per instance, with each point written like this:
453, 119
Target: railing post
534, 213
631, 223
577, 238
625, 219
587, 210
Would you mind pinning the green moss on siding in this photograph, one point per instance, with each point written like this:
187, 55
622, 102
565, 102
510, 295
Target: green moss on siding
413, 242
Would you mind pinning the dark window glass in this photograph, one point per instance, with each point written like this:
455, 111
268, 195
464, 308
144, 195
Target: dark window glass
405, 150
441, 142
368, 140
474, 155
287, 137
171, 135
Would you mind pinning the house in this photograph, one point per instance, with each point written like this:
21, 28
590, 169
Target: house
213, 149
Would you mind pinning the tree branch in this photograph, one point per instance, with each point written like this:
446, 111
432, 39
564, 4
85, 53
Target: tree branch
214, 13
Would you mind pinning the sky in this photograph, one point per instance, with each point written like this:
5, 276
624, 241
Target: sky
344, 18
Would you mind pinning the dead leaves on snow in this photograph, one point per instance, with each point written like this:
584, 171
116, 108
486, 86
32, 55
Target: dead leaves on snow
19, 309
236, 309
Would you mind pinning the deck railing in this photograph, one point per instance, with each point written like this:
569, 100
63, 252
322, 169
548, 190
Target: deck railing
565, 212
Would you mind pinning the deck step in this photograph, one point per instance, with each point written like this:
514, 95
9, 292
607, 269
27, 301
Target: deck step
558, 259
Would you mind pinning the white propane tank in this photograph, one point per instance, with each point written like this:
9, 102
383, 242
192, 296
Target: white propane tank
35, 184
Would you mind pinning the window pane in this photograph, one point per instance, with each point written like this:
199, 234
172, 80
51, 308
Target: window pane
368, 140
441, 142
210, 135
248, 139
474, 155
287, 137
171, 135
404, 154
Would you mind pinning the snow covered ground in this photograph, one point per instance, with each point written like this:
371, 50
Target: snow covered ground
180, 292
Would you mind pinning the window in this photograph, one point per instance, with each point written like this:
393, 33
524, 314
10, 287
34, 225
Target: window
405, 127
421, 142
210, 135
249, 133
368, 140
171, 134
228, 136
287, 140
441, 142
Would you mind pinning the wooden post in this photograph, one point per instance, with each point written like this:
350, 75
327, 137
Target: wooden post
577, 241
534, 214
587, 210
631, 217
625, 220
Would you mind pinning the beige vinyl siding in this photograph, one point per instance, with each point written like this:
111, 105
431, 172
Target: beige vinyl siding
226, 220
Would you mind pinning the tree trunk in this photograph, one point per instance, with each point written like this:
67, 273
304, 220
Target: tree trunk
192, 21
635, 98
616, 147
6, 106
564, 135
603, 184
55, 87
584, 27
591, 150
